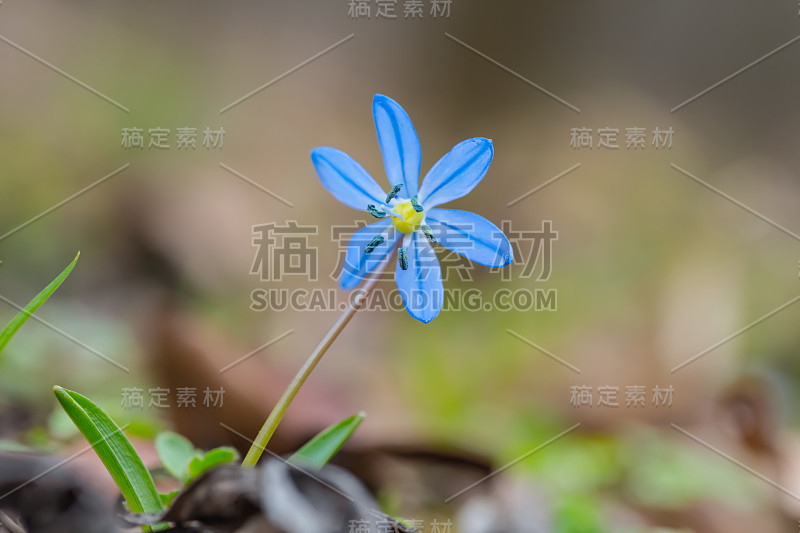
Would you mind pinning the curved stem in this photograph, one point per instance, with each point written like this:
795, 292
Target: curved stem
274, 418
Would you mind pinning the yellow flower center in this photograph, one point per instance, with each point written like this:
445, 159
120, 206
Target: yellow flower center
411, 219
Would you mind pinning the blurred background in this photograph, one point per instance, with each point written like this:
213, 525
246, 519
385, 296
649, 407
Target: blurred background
652, 266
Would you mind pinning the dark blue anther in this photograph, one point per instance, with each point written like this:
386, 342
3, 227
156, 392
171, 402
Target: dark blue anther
374, 211
374, 243
393, 192
426, 229
402, 258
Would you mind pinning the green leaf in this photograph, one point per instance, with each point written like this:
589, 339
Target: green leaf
17, 322
186, 463
175, 452
201, 464
168, 497
319, 450
114, 450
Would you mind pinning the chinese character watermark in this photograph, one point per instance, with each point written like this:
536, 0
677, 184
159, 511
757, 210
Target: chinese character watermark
384, 524
284, 250
607, 396
399, 9
158, 138
161, 398
289, 249
636, 138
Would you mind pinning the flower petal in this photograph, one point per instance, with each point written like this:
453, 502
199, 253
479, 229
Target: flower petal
402, 155
457, 173
345, 178
421, 284
470, 235
358, 263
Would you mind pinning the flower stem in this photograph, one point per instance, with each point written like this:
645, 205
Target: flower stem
274, 418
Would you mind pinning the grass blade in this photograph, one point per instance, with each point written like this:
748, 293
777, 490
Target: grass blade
114, 450
17, 322
319, 450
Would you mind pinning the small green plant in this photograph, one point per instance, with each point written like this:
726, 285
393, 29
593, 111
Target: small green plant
177, 454
186, 463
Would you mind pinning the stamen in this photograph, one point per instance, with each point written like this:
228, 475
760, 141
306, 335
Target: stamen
415, 204
374, 211
393, 192
426, 229
374, 243
402, 258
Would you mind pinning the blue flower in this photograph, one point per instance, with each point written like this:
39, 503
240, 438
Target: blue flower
409, 213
